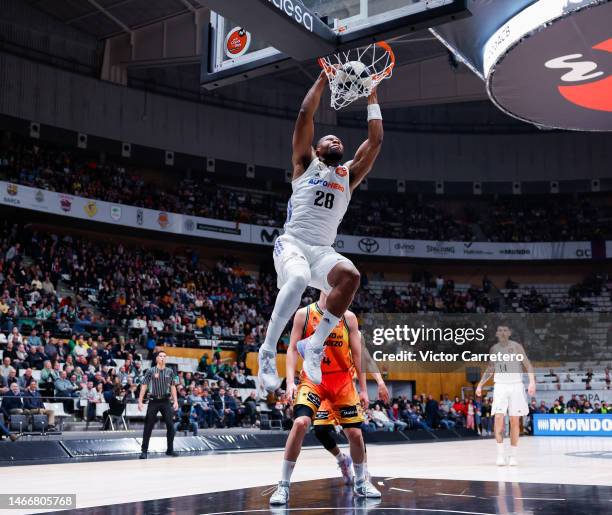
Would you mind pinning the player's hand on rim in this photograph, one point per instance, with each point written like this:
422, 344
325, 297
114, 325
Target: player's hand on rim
478, 391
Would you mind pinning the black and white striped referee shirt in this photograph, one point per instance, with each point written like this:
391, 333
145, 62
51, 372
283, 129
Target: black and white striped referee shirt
159, 381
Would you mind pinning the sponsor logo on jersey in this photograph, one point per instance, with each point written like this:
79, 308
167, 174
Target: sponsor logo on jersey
314, 399
334, 340
348, 412
341, 171
326, 184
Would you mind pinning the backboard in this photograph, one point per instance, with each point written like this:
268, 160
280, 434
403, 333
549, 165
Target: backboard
235, 54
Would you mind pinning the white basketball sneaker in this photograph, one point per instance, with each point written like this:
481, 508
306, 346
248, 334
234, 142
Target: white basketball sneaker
513, 462
366, 489
281, 494
501, 460
312, 360
346, 467
268, 374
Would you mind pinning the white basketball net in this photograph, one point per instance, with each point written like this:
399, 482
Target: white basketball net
354, 73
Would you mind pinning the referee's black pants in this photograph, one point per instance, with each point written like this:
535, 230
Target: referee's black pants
155, 406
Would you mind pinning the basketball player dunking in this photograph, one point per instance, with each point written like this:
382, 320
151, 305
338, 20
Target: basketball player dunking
303, 255
337, 392
508, 392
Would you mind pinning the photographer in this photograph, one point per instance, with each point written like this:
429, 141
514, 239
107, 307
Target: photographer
116, 406
187, 417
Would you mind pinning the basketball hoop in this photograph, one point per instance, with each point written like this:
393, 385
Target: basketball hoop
354, 73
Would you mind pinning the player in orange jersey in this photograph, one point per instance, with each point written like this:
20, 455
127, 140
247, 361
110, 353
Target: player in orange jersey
342, 356
325, 426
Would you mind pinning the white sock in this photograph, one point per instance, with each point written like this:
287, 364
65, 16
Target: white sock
326, 325
360, 471
287, 470
500, 449
340, 457
513, 450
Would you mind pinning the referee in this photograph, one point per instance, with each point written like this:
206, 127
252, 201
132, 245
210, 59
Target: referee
160, 380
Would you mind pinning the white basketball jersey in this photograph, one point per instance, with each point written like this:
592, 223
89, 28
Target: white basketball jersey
508, 372
318, 203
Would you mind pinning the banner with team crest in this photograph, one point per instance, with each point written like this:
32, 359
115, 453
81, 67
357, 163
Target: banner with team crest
120, 214
140, 218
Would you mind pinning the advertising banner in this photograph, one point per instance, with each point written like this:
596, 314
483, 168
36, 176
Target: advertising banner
546, 62
572, 425
120, 214
141, 218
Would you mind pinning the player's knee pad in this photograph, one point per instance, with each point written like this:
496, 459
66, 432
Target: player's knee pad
325, 435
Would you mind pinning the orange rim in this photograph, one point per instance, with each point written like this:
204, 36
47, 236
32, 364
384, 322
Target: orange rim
389, 69
328, 69
377, 76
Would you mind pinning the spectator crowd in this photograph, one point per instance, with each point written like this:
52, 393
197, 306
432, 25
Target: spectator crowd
509, 219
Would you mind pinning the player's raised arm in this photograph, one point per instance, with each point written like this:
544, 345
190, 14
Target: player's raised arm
368, 151
303, 134
292, 353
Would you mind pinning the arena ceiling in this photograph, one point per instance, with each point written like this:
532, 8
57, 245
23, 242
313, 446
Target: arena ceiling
279, 92
106, 18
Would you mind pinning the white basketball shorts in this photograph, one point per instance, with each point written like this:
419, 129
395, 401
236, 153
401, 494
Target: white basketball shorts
293, 257
510, 398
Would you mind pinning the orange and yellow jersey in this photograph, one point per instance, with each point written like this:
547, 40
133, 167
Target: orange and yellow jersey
338, 357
